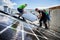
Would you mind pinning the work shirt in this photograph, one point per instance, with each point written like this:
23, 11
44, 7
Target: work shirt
22, 6
44, 16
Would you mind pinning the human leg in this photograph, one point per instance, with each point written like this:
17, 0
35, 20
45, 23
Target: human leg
44, 21
40, 23
20, 12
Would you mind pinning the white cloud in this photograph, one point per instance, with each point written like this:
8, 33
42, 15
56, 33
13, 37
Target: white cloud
48, 6
54, 5
8, 3
1, 8
42, 7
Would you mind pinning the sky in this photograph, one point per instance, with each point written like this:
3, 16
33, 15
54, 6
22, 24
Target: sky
32, 4
8, 3
36, 3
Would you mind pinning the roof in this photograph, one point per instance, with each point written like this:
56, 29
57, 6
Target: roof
56, 7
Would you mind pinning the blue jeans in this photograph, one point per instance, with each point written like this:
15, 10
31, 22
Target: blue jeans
20, 11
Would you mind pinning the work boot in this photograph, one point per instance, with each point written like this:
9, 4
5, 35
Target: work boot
46, 28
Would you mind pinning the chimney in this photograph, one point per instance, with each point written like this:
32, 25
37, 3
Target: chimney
5, 8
